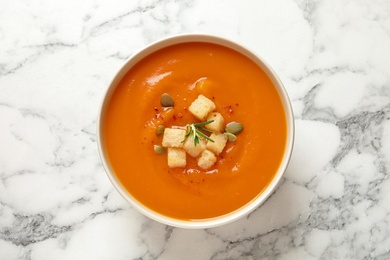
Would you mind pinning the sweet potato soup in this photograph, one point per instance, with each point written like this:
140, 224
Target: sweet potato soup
241, 92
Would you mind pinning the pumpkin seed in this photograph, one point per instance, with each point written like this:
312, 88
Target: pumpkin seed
158, 149
231, 137
166, 100
160, 130
234, 128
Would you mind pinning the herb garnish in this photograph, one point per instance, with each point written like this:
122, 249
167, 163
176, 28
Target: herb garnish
196, 131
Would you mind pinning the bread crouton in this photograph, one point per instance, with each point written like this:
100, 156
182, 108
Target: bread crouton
176, 158
218, 144
201, 107
217, 125
173, 137
193, 150
206, 159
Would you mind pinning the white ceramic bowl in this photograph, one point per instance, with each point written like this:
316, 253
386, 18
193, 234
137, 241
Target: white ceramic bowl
237, 213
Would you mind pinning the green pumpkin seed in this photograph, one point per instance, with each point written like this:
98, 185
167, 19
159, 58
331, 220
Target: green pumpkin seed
160, 130
234, 128
166, 100
231, 137
158, 149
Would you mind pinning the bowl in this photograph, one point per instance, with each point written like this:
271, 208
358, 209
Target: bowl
233, 214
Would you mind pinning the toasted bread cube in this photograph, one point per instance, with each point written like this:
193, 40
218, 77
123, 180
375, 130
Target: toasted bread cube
206, 159
173, 137
193, 150
201, 107
218, 144
176, 157
217, 125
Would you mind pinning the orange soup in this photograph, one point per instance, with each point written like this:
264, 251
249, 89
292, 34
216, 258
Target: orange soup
241, 91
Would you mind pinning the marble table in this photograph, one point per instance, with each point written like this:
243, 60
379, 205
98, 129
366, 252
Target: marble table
56, 60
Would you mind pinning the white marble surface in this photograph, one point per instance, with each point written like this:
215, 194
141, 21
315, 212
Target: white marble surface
56, 59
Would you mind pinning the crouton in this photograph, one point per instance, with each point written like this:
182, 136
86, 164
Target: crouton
218, 144
217, 125
193, 150
176, 158
206, 159
173, 137
201, 107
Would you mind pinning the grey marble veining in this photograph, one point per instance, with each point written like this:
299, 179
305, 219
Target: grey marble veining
56, 60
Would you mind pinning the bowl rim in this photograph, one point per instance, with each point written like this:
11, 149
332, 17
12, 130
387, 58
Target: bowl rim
255, 202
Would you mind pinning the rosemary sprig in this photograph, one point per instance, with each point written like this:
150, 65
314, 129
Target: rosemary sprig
196, 131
